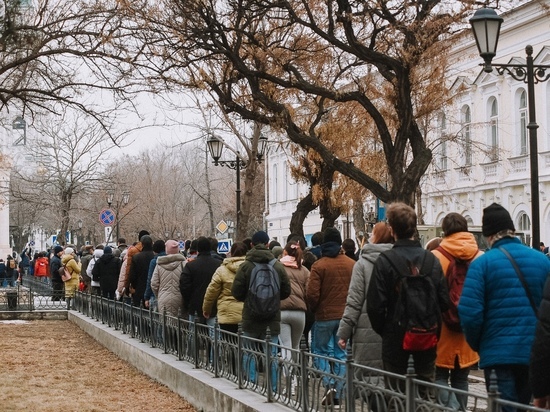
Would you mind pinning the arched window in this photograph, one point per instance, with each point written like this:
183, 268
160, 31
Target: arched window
275, 183
493, 129
442, 142
523, 148
466, 134
524, 223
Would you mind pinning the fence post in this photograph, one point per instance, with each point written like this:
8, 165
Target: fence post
409, 386
31, 300
132, 322
116, 314
195, 341
492, 393
141, 333
216, 348
268, 365
179, 337
240, 355
164, 330
350, 398
304, 381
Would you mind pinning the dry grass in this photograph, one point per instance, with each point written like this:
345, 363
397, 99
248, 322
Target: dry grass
55, 366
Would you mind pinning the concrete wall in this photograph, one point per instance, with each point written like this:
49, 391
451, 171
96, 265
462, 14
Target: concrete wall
198, 387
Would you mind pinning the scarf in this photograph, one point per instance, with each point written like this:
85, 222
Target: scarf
289, 261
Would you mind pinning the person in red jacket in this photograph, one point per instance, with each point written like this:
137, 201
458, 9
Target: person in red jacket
42, 267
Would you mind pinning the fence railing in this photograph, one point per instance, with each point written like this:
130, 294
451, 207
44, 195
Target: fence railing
31, 294
295, 378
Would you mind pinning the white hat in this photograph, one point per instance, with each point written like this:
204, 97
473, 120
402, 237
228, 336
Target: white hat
69, 251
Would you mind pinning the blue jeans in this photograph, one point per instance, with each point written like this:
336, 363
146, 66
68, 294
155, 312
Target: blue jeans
249, 360
512, 382
325, 343
459, 380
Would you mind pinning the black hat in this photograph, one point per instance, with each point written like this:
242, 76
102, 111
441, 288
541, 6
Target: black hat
142, 233
331, 234
495, 219
57, 249
260, 237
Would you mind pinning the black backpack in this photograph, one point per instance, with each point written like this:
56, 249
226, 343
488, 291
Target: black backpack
264, 292
416, 310
456, 274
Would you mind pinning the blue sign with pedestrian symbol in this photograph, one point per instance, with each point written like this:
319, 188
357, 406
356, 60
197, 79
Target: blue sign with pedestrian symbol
224, 246
107, 217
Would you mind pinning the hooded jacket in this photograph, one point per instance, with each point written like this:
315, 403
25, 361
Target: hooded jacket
89, 269
260, 254
165, 283
105, 271
328, 286
195, 278
218, 293
494, 310
463, 246
367, 344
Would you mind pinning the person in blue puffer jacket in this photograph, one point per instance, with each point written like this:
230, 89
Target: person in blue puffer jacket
495, 311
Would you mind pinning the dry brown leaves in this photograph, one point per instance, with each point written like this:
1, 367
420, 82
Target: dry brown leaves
55, 366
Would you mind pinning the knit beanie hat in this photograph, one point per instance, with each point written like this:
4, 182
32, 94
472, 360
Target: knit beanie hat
496, 219
107, 250
57, 249
331, 234
69, 251
172, 247
260, 237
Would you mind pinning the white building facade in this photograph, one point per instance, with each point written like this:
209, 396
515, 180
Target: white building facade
481, 142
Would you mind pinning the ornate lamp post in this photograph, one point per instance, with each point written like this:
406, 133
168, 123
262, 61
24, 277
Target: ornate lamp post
486, 27
215, 146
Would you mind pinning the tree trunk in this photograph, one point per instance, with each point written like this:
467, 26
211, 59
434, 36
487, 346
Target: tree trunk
304, 207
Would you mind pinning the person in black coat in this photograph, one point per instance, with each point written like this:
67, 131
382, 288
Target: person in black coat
140, 269
196, 277
106, 272
539, 369
57, 284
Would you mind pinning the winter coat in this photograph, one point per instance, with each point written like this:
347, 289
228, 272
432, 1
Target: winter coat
463, 246
130, 253
138, 274
540, 356
165, 283
494, 310
42, 267
355, 323
84, 262
105, 271
328, 285
298, 284
152, 265
55, 264
71, 286
382, 297
195, 278
218, 293
250, 323
89, 269
3, 272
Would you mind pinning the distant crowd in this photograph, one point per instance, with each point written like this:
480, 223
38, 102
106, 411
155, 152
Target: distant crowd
451, 306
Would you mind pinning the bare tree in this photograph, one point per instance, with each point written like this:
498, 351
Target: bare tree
67, 163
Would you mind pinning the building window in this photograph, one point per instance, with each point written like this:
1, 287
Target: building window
493, 130
524, 223
442, 163
467, 135
523, 123
275, 182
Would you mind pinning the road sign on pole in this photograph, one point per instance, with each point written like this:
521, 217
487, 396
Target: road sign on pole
107, 217
224, 246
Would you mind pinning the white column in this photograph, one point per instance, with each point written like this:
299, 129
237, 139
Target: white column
5, 169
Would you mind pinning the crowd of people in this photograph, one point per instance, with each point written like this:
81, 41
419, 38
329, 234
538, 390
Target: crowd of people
449, 305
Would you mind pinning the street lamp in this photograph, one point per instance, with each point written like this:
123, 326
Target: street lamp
125, 198
215, 146
20, 124
486, 27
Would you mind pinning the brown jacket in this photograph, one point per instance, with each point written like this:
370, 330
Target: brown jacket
298, 283
328, 285
132, 251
